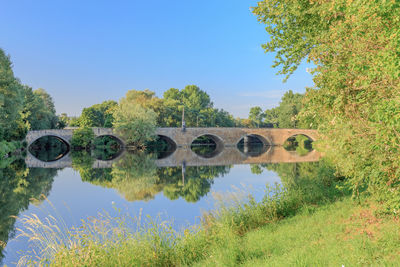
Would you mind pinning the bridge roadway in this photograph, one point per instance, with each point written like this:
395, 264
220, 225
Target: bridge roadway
185, 156
223, 137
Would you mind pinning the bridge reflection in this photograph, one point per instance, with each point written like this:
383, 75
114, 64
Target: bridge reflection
185, 156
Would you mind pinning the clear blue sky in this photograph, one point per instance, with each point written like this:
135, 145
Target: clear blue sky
85, 52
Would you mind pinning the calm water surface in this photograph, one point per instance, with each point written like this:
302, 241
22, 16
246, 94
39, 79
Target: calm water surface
133, 183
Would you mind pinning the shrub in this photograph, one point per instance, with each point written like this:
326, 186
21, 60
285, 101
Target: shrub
82, 138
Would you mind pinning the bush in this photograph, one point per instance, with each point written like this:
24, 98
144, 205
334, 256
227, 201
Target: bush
135, 124
82, 138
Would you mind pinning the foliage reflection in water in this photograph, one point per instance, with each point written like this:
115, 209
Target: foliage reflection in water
106, 148
206, 146
299, 143
19, 187
49, 148
254, 148
135, 177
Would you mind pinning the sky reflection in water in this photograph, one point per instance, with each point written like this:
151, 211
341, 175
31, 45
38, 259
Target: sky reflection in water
79, 192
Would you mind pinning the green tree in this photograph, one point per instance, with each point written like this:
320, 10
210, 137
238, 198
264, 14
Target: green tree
63, 120
199, 109
271, 117
98, 115
82, 138
256, 116
134, 123
288, 109
11, 100
354, 46
38, 110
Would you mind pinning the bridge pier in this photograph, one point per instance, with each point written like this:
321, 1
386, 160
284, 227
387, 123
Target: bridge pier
246, 143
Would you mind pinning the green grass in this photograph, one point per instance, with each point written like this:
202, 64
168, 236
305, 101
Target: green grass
337, 234
307, 222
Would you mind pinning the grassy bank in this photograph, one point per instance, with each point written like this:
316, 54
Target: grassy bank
337, 234
307, 221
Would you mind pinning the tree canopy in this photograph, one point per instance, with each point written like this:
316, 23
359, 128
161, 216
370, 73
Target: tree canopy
283, 116
134, 122
199, 110
21, 108
354, 46
11, 99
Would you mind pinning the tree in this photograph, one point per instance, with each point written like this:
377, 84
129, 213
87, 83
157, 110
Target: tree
63, 120
271, 117
82, 138
11, 99
355, 102
38, 110
288, 109
199, 109
134, 123
98, 115
283, 116
47, 100
256, 116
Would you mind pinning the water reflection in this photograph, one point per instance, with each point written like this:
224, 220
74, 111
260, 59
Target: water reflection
177, 174
106, 148
49, 148
137, 177
300, 144
20, 186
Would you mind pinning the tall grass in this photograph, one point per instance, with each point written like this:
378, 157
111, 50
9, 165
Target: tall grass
145, 241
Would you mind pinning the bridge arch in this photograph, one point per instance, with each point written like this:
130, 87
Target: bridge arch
306, 135
263, 139
219, 145
61, 138
120, 142
218, 140
168, 140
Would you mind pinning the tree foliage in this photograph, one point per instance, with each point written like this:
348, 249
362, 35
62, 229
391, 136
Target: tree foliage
21, 108
82, 138
11, 99
283, 116
256, 116
38, 111
134, 123
355, 103
199, 110
19, 187
287, 111
98, 115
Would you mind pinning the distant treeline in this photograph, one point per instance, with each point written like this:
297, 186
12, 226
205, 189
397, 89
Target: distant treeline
285, 115
199, 110
135, 116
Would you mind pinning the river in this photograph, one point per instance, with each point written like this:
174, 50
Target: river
177, 186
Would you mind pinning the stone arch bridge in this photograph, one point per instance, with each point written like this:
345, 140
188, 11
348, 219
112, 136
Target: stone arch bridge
223, 137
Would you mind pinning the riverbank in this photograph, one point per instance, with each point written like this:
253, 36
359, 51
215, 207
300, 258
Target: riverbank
338, 234
335, 234
111, 241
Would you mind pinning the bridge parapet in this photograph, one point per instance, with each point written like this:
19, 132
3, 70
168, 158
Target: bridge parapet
66, 134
